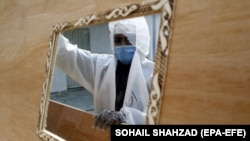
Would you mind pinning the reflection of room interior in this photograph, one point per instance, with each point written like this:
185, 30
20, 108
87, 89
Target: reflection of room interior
64, 89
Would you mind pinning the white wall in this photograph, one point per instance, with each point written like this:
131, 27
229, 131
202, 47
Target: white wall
100, 39
59, 82
153, 26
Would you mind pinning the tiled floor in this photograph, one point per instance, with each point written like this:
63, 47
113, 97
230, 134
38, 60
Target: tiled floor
78, 98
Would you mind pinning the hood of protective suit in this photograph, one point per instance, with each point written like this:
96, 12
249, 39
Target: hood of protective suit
137, 32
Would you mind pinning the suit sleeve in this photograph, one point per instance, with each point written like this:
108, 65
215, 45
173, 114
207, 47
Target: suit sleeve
77, 63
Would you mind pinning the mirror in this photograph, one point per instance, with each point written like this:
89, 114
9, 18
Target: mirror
65, 89
91, 33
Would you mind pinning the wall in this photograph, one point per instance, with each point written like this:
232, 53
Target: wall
208, 76
25, 27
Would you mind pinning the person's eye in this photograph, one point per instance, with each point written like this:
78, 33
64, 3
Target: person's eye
117, 40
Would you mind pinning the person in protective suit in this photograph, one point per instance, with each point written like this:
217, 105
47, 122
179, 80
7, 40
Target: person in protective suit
120, 82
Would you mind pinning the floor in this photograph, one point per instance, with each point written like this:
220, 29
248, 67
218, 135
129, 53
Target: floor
77, 97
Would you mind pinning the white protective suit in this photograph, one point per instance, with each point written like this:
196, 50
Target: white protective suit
96, 72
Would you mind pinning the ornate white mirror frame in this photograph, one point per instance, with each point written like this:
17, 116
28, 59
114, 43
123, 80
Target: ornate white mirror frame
163, 7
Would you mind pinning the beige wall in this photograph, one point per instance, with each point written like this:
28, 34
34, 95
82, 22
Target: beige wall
208, 77
25, 27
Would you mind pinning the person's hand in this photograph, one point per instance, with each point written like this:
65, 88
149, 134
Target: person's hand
107, 118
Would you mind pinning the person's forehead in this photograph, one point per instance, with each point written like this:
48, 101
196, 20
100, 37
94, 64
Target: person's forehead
119, 35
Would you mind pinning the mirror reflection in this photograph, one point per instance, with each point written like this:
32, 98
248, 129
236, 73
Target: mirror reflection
107, 69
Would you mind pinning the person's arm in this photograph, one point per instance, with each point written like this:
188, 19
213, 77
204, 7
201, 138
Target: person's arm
77, 63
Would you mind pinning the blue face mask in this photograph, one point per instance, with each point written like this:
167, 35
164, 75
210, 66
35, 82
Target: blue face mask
125, 53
